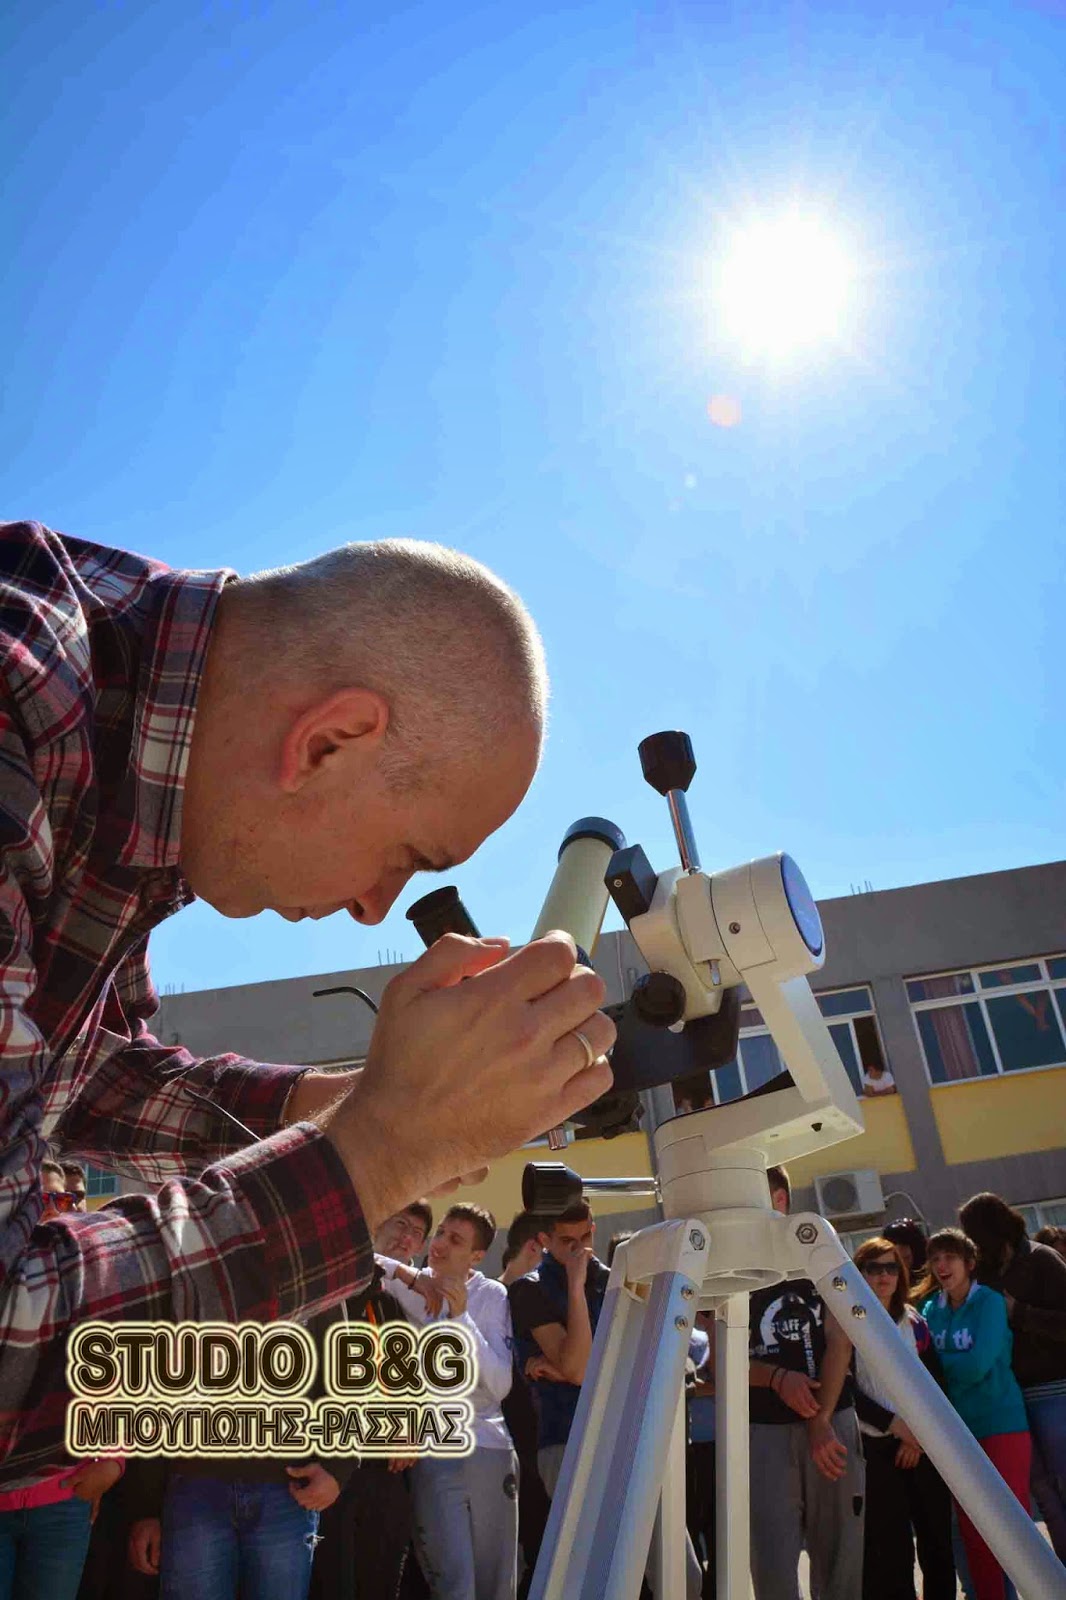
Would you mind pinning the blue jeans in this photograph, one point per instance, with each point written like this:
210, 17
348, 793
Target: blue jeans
1047, 1424
42, 1551
224, 1538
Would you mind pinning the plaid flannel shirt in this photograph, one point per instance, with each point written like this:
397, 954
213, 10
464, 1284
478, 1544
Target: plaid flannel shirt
101, 654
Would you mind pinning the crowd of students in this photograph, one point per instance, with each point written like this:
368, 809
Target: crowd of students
984, 1309
834, 1471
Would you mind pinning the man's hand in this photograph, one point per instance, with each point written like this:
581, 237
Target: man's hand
908, 1456
401, 1463
899, 1430
829, 1454
577, 1264
455, 1294
465, 1180
462, 1072
316, 1489
92, 1481
144, 1545
797, 1391
540, 1367
427, 1286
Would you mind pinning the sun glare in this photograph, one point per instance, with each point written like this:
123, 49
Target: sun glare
783, 285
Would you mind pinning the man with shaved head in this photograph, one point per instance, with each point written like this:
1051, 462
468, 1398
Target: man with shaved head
301, 741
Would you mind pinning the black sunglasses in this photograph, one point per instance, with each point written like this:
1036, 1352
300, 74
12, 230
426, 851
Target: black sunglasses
873, 1268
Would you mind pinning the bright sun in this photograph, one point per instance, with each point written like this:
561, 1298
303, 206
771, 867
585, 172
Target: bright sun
782, 285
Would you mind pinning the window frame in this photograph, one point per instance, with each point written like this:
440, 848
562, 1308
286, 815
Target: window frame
95, 1179
760, 1030
1056, 987
1040, 1207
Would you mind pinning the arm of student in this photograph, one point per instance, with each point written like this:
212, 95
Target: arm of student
828, 1452
1047, 1321
492, 1338
413, 1303
990, 1337
835, 1366
536, 1319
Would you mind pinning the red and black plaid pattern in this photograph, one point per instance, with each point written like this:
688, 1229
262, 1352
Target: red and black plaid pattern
101, 654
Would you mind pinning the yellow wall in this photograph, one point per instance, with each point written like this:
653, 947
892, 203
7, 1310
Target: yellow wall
885, 1146
1008, 1116
501, 1192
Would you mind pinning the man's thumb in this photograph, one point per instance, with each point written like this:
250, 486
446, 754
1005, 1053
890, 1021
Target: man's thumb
449, 961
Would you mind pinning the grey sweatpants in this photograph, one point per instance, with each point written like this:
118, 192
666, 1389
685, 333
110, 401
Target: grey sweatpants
466, 1525
793, 1506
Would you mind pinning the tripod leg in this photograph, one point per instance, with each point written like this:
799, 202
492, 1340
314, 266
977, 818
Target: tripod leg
599, 1531
674, 1571
1003, 1523
732, 1531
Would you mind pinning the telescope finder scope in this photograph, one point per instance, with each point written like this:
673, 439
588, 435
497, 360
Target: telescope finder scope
577, 898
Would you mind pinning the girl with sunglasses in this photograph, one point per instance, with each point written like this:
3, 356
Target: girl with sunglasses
970, 1331
907, 1502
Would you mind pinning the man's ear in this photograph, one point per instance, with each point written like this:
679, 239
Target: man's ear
349, 720
477, 1257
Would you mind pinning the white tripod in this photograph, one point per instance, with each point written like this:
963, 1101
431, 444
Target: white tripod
625, 1462
623, 1475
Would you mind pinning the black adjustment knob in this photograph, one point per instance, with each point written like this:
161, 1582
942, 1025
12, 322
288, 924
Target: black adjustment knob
549, 1188
667, 761
659, 999
631, 882
439, 913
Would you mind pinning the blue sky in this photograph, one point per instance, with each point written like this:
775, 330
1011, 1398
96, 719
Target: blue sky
282, 275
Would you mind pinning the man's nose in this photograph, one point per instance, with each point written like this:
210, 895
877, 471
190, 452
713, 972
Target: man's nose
373, 906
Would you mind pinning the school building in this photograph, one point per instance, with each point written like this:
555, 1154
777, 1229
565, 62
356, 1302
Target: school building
947, 1002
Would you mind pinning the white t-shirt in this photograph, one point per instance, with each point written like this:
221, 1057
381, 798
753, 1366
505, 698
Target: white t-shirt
487, 1319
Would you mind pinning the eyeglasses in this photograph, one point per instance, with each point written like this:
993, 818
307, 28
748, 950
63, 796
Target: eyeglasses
64, 1200
874, 1269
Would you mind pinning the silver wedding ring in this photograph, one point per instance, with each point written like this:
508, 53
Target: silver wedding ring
590, 1054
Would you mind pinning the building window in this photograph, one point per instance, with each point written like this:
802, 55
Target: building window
1043, 1214
99, 1185
849, 1015
991, 1020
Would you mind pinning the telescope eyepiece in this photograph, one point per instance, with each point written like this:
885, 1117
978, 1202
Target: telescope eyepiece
441, 912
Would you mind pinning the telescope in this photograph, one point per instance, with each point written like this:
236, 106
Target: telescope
750, 933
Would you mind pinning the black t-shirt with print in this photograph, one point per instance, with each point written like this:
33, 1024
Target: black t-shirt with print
786, 1329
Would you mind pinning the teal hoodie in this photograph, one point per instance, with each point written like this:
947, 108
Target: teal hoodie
974, 1344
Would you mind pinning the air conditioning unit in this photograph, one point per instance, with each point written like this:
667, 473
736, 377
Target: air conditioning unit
849, 1197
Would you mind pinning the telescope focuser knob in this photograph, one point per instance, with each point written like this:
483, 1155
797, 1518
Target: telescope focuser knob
549, 1188
667, 761
659, 999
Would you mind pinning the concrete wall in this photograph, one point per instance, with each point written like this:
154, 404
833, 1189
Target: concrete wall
1007, 1134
